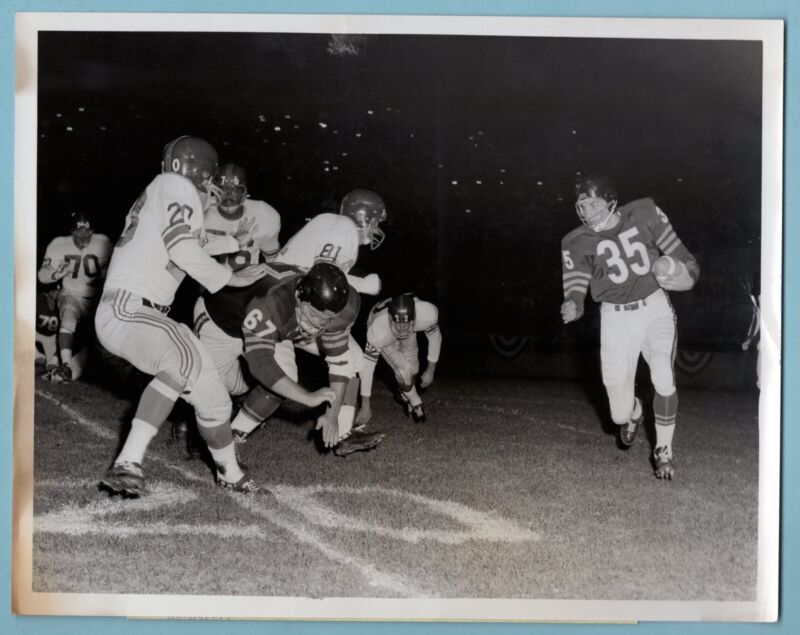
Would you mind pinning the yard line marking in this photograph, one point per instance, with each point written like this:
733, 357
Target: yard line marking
78, 520
373, 576
102, 432
477, 525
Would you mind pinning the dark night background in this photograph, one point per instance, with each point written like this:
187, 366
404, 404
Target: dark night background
473, 142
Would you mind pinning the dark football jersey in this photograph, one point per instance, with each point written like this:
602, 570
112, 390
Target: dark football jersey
46, 314
616, 263
267, 316
228, 306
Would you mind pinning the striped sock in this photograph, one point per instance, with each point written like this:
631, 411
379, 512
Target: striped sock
227, 466
139, 437
154, 407
665, 409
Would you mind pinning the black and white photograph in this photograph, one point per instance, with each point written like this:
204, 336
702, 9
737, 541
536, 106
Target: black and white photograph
397, 317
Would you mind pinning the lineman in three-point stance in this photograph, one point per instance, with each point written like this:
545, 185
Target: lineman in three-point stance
392, 329
614, 252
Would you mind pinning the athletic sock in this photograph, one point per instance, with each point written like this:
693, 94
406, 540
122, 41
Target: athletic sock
227, 466
665, 409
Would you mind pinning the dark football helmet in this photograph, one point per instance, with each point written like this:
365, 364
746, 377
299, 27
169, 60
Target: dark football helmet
367, 210
596, 201
402, 313
82, 231
231, 179
192, 157
321, 293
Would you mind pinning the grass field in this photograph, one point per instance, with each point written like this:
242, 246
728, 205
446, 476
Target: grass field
512, 489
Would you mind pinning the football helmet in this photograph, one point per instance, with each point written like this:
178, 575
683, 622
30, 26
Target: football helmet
596, 201
194, 158
367, 211
402, 313
321, 293
82, 231
231, 179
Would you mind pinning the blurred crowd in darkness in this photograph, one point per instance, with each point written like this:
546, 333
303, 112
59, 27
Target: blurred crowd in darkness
476, 166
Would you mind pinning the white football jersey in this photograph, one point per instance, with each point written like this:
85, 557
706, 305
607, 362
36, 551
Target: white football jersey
85, 267
266, 225
325, 238
160, 243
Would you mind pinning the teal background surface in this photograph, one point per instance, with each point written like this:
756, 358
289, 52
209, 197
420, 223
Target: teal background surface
787, 10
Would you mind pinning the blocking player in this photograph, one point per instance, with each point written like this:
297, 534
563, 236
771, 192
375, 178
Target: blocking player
313, 311
613, 253
47, 322
336, 238
235, 212
392, 329
160, 245
79, 263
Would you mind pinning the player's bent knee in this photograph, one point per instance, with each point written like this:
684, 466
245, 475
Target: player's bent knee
662, 375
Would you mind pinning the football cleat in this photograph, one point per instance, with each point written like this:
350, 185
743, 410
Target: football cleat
357, 442
418, 414
124, 478
179, 432
662, 456
628, 431
244, 485
61, 374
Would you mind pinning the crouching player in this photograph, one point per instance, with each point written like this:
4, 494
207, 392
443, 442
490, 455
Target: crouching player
392, 329
313, 311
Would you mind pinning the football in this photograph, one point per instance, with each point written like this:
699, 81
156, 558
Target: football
664, 266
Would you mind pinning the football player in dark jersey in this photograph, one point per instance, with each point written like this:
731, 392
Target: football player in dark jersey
612, 254
313, 311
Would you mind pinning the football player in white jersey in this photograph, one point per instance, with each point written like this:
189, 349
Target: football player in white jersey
235, 212
392, 329
160, 244
336, 238
79, 262
333, 238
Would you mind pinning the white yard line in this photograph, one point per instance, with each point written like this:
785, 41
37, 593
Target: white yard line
304, 534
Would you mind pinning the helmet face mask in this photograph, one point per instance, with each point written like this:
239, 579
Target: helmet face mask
367, 210
193, 158
82, 231
596, 202
321, 293
402, 313
231, 180
311, 321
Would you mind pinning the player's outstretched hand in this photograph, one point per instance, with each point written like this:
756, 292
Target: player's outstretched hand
569, 312
364, 414
247, 276
244, 231
321, 396
426, 379
330, 428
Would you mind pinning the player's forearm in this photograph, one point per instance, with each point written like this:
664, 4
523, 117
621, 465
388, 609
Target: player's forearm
368, 285
289, 389
189, 256
218, 244
48, 275
366, 374
434, 346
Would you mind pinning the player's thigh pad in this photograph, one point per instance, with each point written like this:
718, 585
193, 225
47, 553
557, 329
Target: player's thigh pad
620, 346
660, 343
71, 310
225, 351
148, 339
399, 364
207, 393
